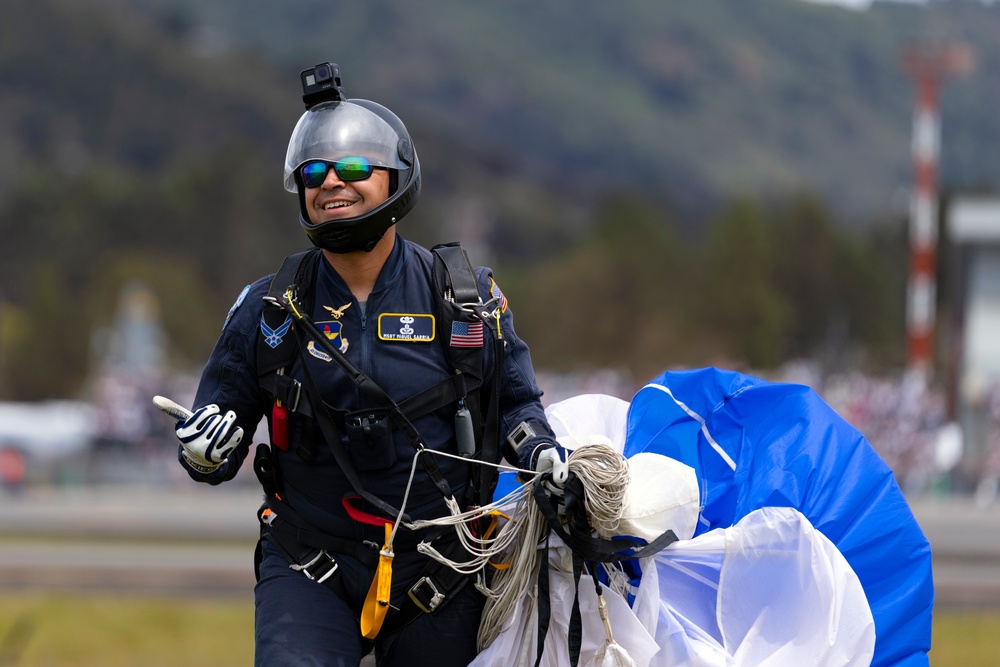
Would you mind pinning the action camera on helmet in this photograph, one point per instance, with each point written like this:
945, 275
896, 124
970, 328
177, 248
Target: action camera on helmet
321, 83
336, 129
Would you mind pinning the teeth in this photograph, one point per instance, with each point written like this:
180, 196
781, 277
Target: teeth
336, 204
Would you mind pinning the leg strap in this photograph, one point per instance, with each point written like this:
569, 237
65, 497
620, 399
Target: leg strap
314, 555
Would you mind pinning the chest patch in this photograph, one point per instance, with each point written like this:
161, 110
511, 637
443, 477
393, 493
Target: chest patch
334, 333
406, 327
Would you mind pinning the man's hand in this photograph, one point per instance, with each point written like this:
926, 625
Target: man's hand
208, 437
550, 457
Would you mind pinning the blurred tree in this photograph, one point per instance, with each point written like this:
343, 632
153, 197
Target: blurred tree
837, 282
50, 361
742, 299
614, 300
804, 253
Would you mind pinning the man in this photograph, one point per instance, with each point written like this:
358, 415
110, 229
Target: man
358, 358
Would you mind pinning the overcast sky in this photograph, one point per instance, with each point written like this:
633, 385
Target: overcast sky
864, 4
853, 4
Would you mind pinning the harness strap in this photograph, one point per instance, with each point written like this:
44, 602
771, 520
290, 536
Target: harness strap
456, 289
312, 553
293, 270
460, 274
445, 393
300, 542
373, 391
332, 437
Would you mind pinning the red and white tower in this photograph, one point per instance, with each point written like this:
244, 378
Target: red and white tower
928, 66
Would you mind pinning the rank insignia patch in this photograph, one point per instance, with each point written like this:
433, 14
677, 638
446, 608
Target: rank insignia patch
406, 327
273, 337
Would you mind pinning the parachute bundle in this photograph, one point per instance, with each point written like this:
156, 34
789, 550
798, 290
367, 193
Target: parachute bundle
795, 545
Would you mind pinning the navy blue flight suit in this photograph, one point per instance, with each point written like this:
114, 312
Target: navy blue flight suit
396, 340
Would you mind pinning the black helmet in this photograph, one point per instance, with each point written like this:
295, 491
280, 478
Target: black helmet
333, 130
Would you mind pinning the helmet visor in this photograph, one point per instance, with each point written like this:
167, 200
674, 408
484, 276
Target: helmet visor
337, 130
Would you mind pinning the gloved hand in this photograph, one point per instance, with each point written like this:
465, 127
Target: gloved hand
550, 457
207, 437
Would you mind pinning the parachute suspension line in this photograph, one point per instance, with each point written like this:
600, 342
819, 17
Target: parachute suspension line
483, 548
516, 548
509, 584
604, 475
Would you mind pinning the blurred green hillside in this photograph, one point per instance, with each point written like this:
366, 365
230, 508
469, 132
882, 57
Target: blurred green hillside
657, 183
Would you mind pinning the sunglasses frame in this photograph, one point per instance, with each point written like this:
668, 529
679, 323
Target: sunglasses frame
351, 162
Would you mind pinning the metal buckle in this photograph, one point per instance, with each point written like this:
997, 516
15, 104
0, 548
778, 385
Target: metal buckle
294, 395
435, 597
318, 577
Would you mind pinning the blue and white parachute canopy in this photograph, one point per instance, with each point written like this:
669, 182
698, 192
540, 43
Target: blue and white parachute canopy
756, 444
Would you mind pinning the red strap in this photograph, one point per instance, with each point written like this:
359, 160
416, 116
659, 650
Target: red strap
363, 517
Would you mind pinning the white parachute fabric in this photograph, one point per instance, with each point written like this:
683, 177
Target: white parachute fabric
590, 414
612, 655
517, 644
769, 591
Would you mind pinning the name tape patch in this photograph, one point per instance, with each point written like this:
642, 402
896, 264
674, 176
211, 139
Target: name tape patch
406, 327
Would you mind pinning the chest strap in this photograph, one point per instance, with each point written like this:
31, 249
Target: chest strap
445, 393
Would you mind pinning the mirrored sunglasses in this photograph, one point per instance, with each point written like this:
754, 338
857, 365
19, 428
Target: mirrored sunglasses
348, 169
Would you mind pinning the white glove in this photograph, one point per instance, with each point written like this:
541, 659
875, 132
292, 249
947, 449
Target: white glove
208, 437
552, 459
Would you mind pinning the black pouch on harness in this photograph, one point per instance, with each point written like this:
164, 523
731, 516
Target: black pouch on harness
369, 435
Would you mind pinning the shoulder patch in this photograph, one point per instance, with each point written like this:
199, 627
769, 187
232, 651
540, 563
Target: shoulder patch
498, 295
236, 304
273, 337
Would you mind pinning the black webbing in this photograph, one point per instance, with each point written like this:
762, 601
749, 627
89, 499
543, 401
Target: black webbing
460, 273
332, 437
371, 389
579, 539
577, 535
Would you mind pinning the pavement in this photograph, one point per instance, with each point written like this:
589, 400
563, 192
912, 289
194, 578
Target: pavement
193, 539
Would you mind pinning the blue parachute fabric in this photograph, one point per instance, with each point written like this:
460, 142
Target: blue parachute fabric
759, 444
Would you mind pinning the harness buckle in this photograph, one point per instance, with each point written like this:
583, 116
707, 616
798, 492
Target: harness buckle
289, 392
294, 395
426, 600
323, 562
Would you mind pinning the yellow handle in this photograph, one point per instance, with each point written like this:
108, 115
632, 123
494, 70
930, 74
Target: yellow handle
377, 601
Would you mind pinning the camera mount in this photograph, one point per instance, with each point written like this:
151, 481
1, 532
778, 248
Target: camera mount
321, 83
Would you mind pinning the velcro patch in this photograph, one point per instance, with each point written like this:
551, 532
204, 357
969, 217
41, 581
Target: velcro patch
406, 327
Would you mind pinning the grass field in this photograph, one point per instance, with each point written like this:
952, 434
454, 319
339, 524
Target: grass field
62, 630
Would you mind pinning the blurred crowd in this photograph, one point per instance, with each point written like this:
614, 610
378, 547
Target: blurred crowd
929, 450
908, 424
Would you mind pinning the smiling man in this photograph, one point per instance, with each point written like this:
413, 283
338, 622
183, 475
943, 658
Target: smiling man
359, 353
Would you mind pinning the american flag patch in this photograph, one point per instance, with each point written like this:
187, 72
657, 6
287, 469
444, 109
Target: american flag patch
498, 295
466, 334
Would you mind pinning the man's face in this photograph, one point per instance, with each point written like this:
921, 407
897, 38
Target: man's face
337, 199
